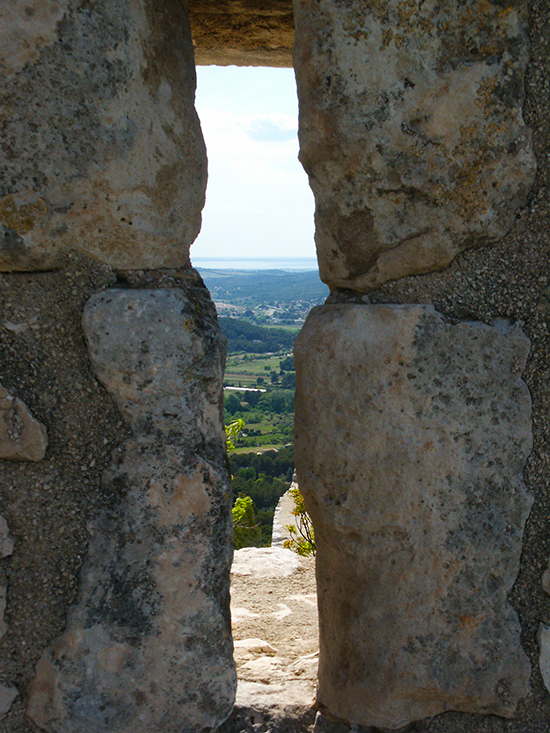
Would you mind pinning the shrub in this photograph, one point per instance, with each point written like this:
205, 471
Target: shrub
302, 539
246, 530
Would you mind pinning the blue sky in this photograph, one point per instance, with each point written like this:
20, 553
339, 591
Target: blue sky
258, 201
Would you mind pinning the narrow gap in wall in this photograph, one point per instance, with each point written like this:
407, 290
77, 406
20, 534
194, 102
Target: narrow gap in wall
256, 254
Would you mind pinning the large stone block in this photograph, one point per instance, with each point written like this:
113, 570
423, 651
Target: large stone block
411, 437
411, 131
102, 150
148, 647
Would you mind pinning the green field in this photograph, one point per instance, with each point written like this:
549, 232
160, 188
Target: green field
274, 432
243, 370
262, 449
268, 311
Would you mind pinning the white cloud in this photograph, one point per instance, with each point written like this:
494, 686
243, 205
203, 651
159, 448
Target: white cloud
258, 202
273, 128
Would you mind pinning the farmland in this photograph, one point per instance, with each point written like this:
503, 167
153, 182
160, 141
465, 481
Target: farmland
261, 314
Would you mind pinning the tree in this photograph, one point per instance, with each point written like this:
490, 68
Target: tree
289, 381
232, 403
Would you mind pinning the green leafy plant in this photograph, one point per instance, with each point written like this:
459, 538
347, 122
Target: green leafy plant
246, 530
302, 536
232, 432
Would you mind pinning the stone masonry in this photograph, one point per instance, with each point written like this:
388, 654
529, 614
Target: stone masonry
114, 477
423, 129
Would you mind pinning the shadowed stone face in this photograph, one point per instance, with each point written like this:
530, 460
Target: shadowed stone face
249, 33
411, 131
411, 438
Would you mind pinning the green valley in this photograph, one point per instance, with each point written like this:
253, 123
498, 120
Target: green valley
261, 313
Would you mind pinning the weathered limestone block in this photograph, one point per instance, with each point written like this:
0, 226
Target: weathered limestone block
22, 437
102, 148
411, 131
148, 646
411, 437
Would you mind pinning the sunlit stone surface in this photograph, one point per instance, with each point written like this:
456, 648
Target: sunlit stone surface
102, 148
411, 131
148, 647
411, 437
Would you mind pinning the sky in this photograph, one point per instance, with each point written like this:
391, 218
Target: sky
258, 201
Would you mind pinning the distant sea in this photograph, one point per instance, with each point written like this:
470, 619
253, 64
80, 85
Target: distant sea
255, 263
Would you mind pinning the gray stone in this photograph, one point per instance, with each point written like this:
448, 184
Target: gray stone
411, 437
148, 648
3, 625
103, 148
546, 580
7, 693
411, 131
6, 542
278, 697
22, 437
7, 696
283, 518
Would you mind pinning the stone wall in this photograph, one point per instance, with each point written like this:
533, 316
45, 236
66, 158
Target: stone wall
422, 407
115, 493
368, 450
242, 32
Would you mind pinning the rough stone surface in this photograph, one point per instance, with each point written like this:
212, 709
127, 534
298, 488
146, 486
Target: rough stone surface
6, 542
6, 549
283, 518
242, 32
419, 509
546, 580
7, 693
411, 131
275, 719
101, 147
22, 437
7, 696
48, 503
544, 662
148, 645
42, 360
265, 562
274, 621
